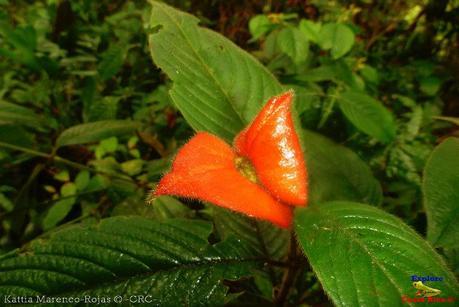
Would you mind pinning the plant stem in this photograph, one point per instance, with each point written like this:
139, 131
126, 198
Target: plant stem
289, 275
53, 157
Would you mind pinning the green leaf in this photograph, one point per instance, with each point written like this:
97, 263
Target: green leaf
370, 74
166, 207
259, 25
453, 120
441, 194
16, 114
16, 135
217, 86
430, 85
62, 207
112, 61
104, 108
310, 29
172, 261
95, 131
133, 167
265, 239
337, 37
293, 43
368, 115
337, 173
364, 256
82, 180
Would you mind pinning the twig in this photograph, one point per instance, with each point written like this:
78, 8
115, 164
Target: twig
289, 274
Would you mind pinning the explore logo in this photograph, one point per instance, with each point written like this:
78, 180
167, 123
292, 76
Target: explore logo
425, 293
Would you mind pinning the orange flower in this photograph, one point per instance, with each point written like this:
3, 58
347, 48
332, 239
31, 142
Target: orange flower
263, 176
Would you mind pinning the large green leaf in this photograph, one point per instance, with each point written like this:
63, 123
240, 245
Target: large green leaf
337, 173
216, 85
173, 262
441, 194
95, 131
364, 256
266, 240
368, 115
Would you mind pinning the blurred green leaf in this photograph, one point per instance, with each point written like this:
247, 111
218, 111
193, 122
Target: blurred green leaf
95, 131
441, 194
337, 37
132, 167
259, 25
359, 252
16, 135
82, 180
111, 62
60, 208
337, 173
16, 114
454, 120
293, 43
311, 30
368, 115
430, 85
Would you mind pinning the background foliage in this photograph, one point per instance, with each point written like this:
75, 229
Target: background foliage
88, 123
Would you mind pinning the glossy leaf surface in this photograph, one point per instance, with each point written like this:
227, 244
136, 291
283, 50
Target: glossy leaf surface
128, 256
365, 257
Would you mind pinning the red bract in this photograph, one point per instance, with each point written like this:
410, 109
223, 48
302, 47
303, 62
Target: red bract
262, 177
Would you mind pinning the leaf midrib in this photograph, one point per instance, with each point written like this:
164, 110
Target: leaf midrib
209, 72
339, 226
187, 266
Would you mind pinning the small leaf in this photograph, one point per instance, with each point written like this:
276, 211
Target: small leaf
293, 43
453, 120
441, 194
16, 135
259, 25
95, 131
370, 74
430, 85
337, 37
311, 30
112, 61
62, 176
364, 256
337, 173
82, 180
110, 144
368, 115
61, 208
17, 114
132, 167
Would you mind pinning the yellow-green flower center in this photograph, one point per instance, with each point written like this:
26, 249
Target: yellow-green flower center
246, 168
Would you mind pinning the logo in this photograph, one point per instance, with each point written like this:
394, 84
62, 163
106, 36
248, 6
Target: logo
424, 290
424, 293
